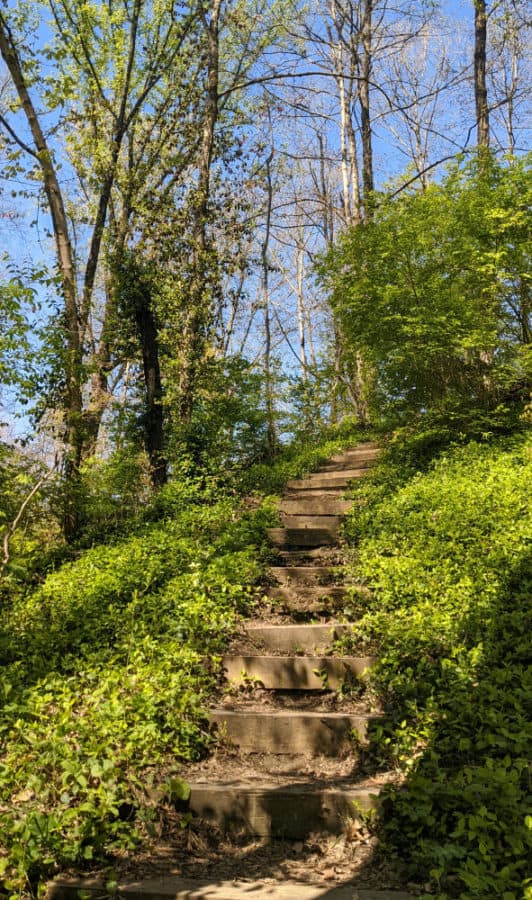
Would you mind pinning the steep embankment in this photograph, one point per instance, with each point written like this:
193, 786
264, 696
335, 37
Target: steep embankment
104, 683
447, 557
105, 686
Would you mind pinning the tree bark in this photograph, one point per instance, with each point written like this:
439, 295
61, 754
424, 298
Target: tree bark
74, 436
268, 380
481, 91
154, 413
365, 112
198, 313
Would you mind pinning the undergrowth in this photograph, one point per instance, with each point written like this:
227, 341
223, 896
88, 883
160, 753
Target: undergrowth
109, 662
447, 556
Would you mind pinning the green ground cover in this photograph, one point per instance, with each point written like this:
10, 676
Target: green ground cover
107, 666
447, 553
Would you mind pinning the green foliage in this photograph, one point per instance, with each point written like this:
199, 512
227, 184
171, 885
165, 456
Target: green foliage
37, 526
113, 492
299, 458
13, 329
435, 293
228, 428
447, 556
106, 670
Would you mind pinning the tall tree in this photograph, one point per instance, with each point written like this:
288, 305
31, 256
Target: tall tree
481, 89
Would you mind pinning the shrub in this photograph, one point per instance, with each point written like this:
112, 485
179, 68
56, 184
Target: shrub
447, 556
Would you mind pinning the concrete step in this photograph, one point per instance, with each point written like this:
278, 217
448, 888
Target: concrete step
270, 809
372, 450
291, 538
310, 521
290, 731
362, 461
318, 481
295, 576
308, 599
296, 673
327, 494
173, 887
293, 638
321, 556
354, 452
314, 506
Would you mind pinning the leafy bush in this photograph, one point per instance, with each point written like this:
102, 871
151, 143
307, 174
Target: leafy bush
432, 292
107, 668
108, 665
447, 556
299, 458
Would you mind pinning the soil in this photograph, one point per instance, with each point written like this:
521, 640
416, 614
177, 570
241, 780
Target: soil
227, 764
319, 701
201, 851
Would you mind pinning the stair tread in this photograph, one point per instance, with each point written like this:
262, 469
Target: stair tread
307, 659
312, 673
303, 520
294, 714
293, 637
303, 537
175, 887
297, 785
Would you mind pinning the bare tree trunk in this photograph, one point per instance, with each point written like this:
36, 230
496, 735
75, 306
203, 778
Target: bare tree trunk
335, 412
345, 63
154, 414
198, 314
268, 374
327, 212
300, 262
74, 437
365, 112
481, 91
359, 382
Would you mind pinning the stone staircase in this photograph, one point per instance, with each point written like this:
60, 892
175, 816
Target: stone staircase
294, 660
289, 769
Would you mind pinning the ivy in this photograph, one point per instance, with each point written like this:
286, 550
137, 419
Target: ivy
447, 556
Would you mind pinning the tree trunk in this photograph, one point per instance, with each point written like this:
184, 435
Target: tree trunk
198, 313
74, 433
365, 112
268, 380
153, 416
300, 267
481, 91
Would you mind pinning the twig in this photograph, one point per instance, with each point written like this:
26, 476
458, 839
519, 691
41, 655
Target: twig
16, 521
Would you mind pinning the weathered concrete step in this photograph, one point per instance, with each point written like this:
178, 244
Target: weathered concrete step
173, 887
311, 521
290, 731
308, 599
319, 481
327, 494
368, 449
286, 538
363, 447
321, 556
303, 575
361, 461
314, 506
292, 810
291, 638
296, 673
